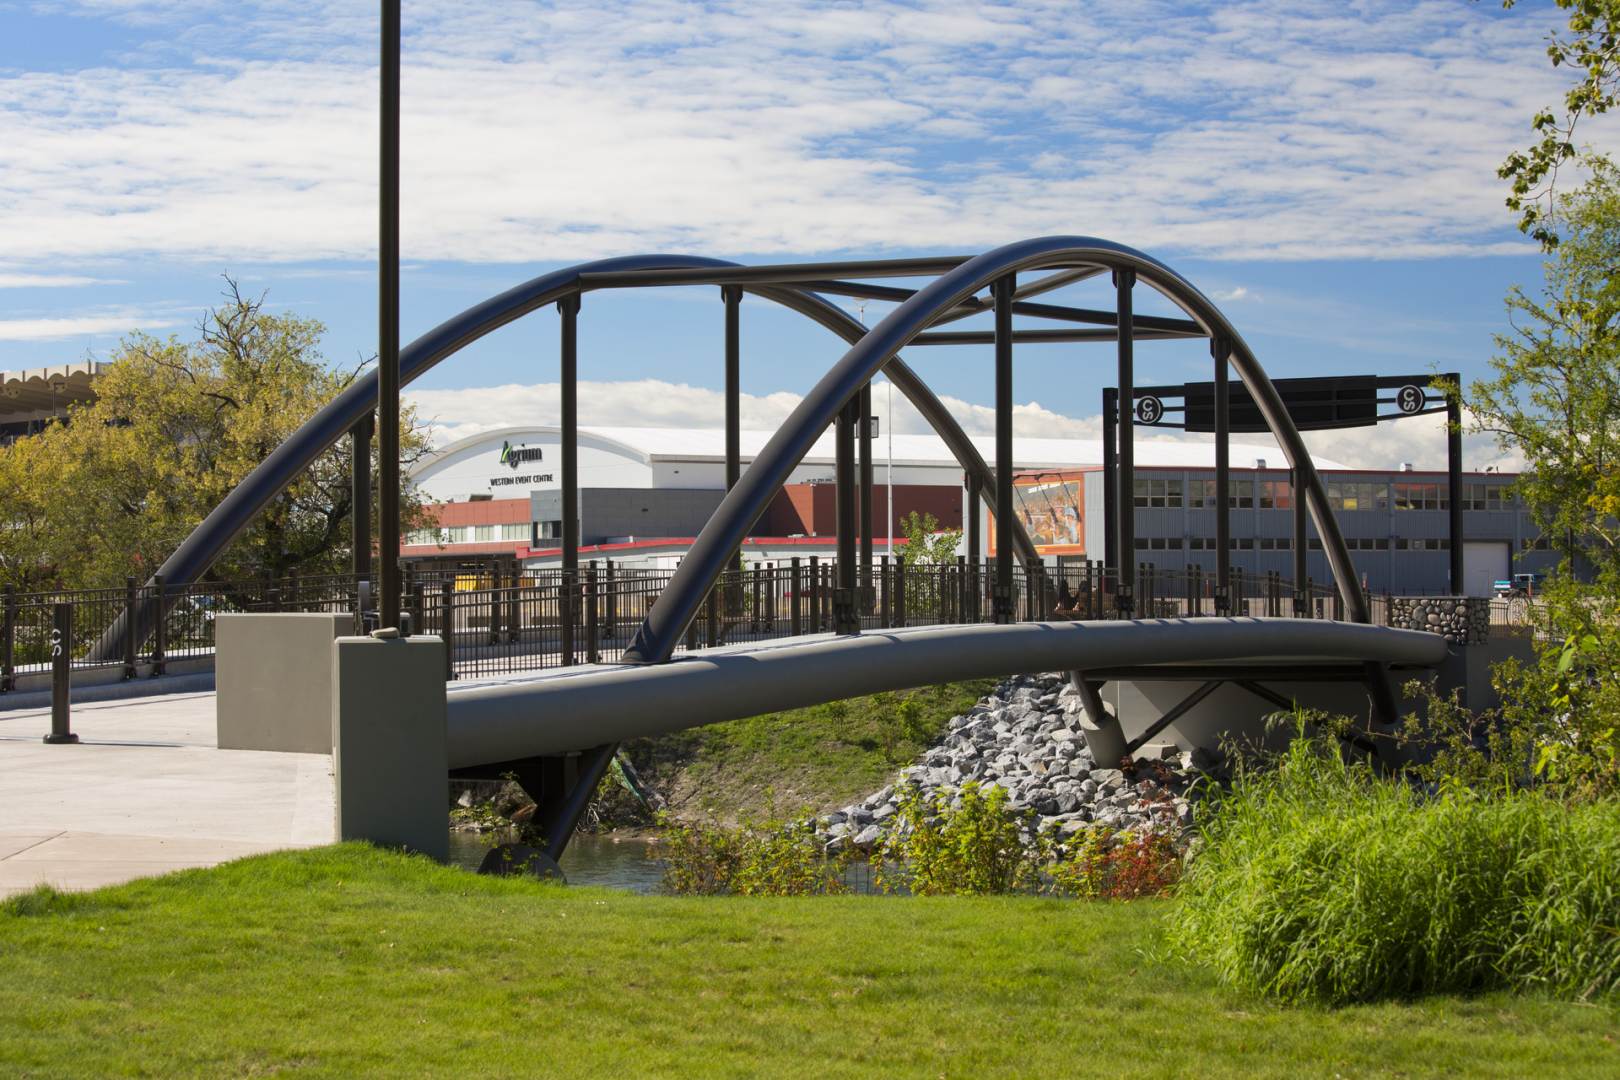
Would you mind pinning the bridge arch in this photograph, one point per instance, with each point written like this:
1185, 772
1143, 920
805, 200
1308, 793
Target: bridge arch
678, 604
226, 521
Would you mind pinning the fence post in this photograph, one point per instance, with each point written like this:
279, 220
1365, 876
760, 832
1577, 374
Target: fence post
129, 628
62, 676
567, 600
715, 592
593, 637
8, 639
885, 587
612, 602
795, 587
447, 625
815, 594
495, 610
418, 610
160, 629
900, 593
1238, 605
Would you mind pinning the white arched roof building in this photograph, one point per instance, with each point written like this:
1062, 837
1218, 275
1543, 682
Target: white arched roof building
509, 462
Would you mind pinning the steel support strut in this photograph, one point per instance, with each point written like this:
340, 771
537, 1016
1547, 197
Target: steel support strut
360, 497
864, 508
1002, 290
1110, 479
732, 295
568, 309
844, 617
1125, 509
1221, 349
1454, 484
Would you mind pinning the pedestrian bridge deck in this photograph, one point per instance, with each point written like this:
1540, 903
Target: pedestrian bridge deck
519, 716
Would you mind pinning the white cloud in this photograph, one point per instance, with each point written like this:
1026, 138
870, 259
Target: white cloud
457, 414
114, 324
50, 281
1227, 296
576, 129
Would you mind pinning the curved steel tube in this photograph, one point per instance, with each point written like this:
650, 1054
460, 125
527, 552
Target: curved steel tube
933, 410
581, 707
227, 520
676, 606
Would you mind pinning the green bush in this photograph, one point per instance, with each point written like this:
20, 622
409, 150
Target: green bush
974, 848
1318, 881
1097, 863
770, 858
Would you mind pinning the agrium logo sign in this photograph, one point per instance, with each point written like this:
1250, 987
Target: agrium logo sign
513, 456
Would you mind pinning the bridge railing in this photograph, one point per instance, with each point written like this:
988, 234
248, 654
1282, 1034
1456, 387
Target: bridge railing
534, 620
501, 619
28, 620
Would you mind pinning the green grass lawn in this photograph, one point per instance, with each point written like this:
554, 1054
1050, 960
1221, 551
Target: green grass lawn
815, 758
347, 960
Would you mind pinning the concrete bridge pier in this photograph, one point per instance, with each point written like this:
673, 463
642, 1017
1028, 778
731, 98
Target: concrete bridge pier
389, 753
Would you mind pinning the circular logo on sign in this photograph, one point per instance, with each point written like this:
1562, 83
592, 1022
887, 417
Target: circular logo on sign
1149, 409
1411, 399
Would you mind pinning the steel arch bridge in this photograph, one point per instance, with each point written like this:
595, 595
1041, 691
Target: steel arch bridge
1008, 273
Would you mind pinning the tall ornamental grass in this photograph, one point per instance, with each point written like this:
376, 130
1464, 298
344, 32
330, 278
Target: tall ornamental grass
1319, 882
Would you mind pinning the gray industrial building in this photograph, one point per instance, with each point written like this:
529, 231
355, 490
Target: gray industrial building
1395, 522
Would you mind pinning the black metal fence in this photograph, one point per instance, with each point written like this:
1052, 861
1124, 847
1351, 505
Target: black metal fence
502, 619
186, 629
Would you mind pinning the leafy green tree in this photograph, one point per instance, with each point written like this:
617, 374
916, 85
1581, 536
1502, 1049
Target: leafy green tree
1592, 48
926, 545
174, 427
1556, 389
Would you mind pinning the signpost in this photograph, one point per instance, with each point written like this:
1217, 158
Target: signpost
1315, 404
62, 676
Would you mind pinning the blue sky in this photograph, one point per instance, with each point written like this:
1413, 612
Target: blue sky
1325, 170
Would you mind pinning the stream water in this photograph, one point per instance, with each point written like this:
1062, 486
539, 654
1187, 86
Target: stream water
588, 860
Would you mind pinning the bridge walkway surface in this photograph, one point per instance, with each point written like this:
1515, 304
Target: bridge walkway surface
146, 791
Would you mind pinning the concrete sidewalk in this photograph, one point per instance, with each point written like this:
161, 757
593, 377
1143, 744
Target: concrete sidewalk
146, 791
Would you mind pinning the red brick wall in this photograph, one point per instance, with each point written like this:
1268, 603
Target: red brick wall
811, 508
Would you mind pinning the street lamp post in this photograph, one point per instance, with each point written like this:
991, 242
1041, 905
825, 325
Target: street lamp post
388, 323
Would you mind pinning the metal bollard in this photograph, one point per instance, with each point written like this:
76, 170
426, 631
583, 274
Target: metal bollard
62, 677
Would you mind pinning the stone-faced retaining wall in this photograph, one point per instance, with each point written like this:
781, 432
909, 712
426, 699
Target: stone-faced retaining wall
1465, 620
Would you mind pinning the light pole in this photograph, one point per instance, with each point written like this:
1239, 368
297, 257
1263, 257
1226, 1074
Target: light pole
388, 323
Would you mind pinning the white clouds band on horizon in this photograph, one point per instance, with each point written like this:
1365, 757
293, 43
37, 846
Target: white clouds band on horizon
111, 325
1266, 129
458, 414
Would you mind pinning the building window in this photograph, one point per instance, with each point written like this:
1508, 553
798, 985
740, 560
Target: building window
1276, 494
1357, 495
549, 530
519, 531
1487, 497
483, 533
423, 536
1241, 493
1158, 492
1412, 496
1201, 493
1540, 543
1244, 544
